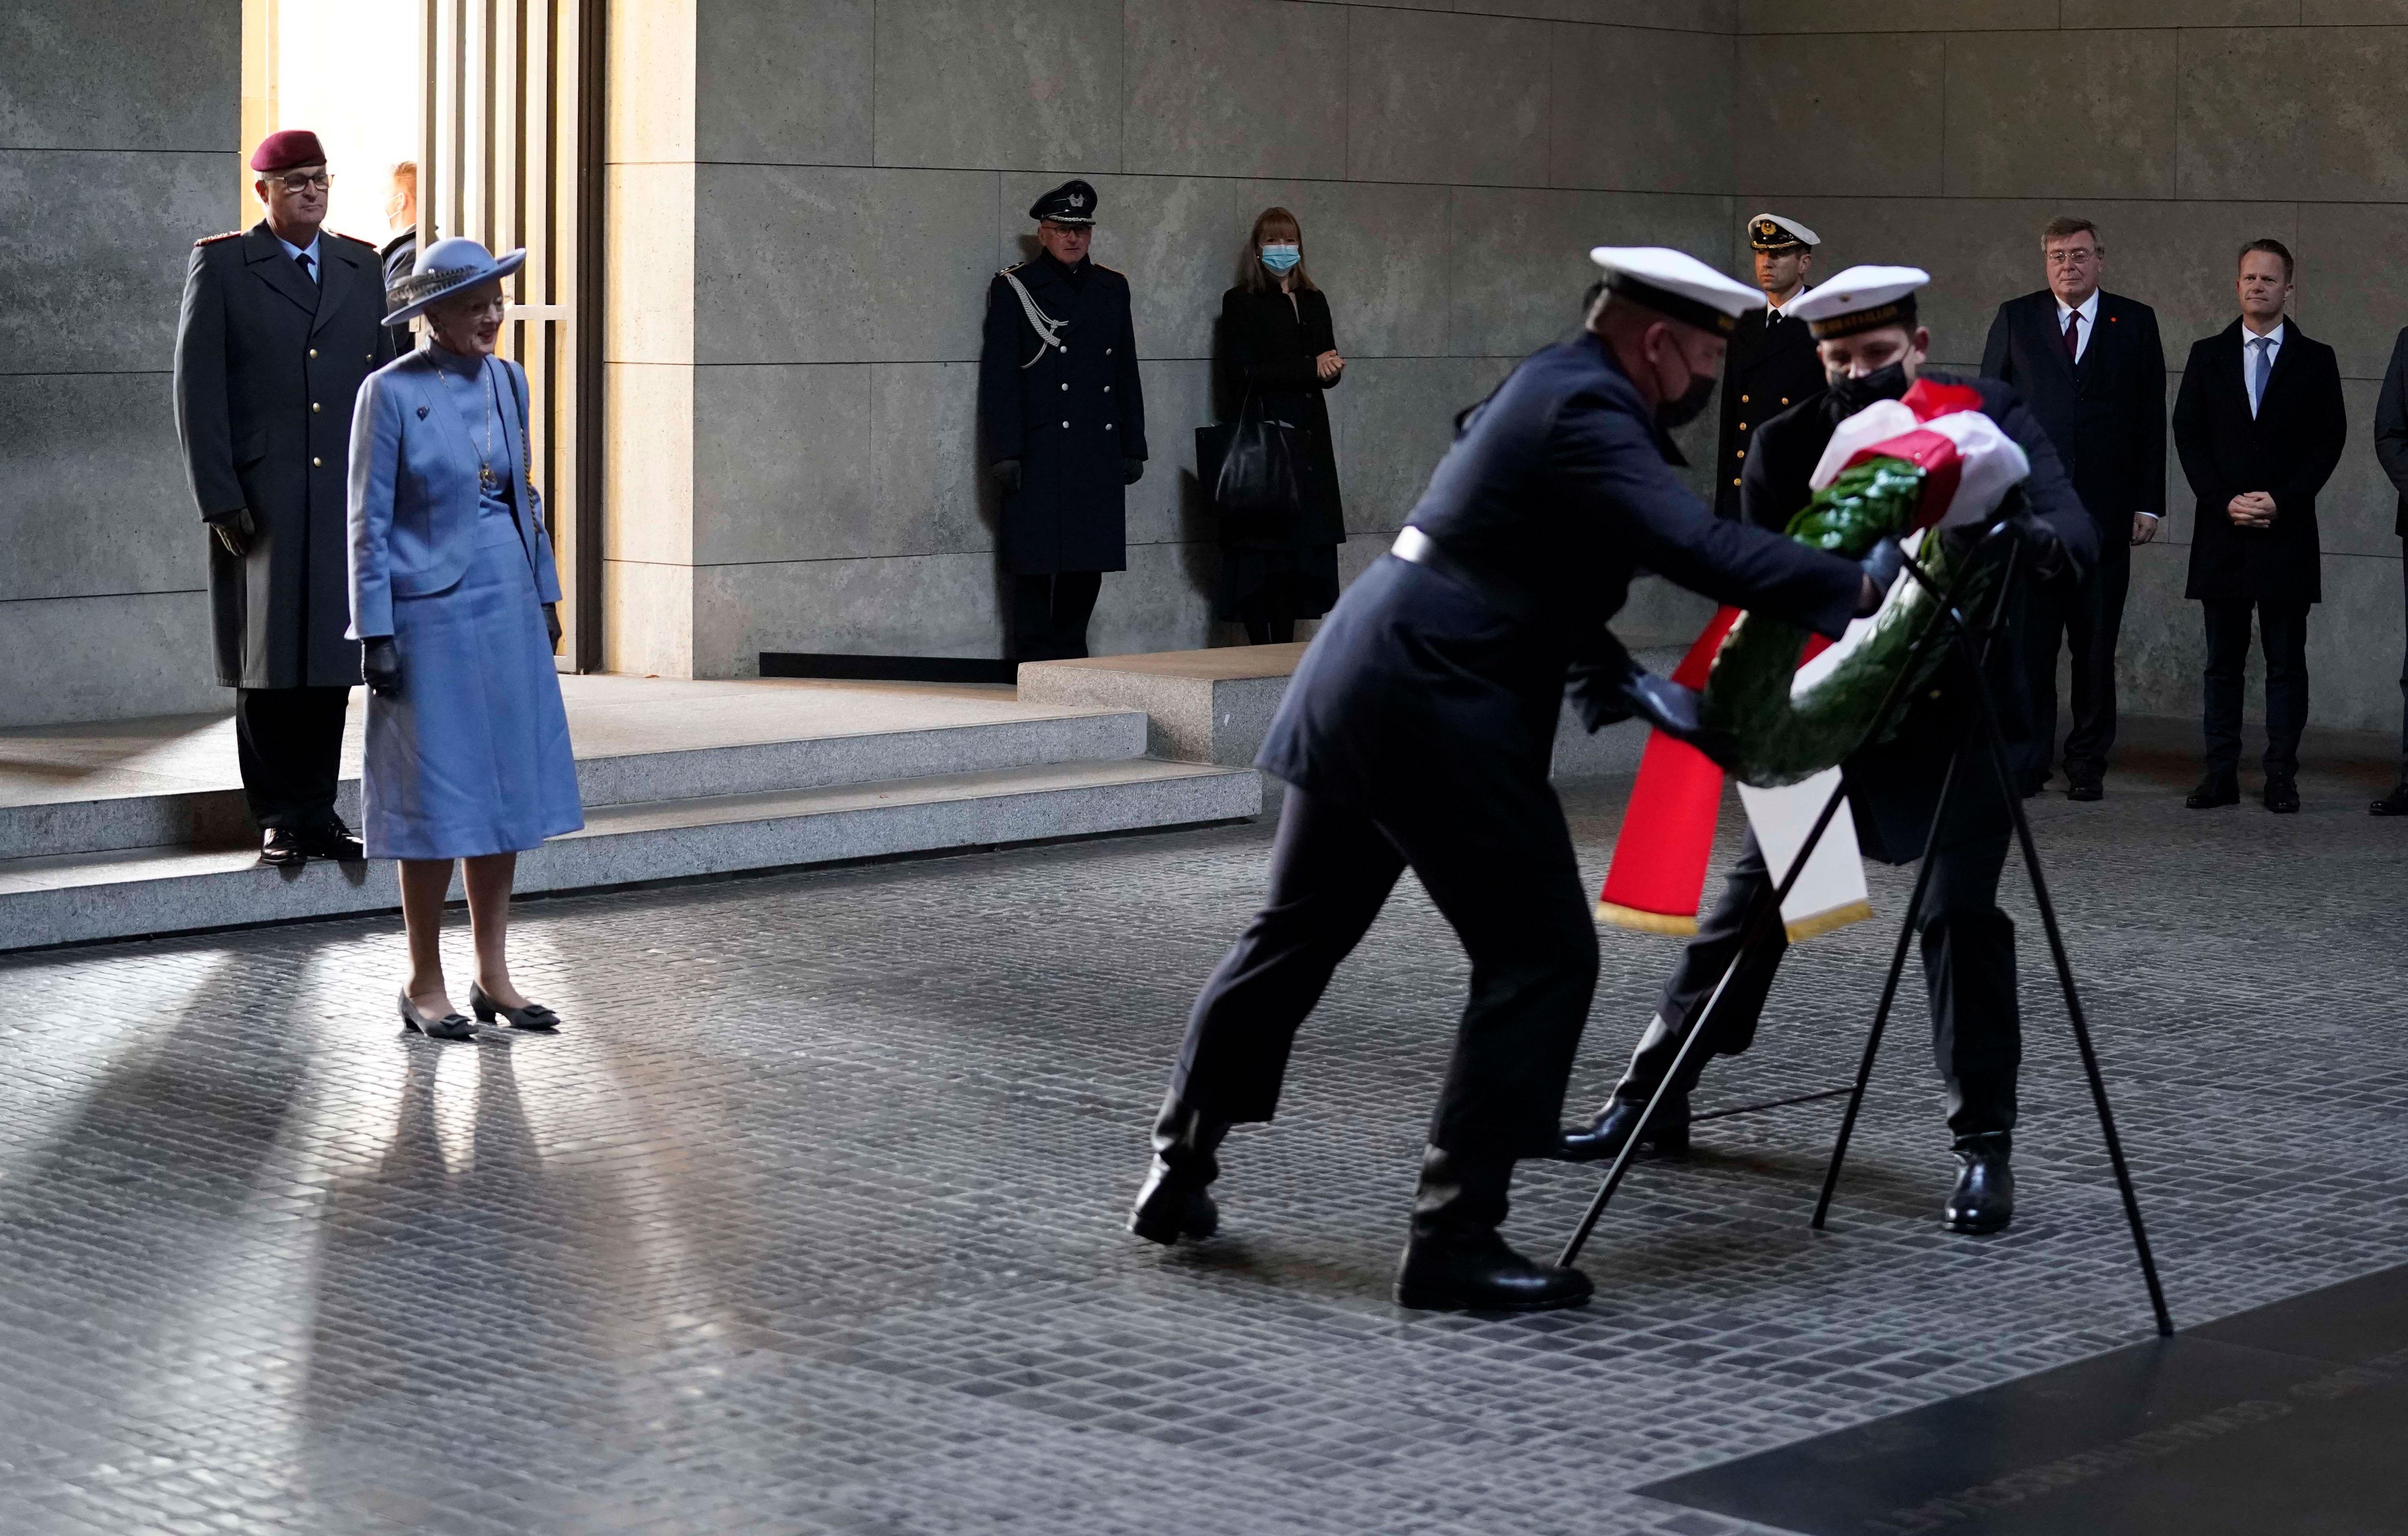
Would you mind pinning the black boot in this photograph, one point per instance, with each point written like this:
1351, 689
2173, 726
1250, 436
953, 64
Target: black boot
1602, 1140
1173, 1202
1984, 1199
2393, 804
1456, 1262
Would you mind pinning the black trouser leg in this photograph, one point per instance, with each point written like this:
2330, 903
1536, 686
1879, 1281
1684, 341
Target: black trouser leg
1331, 870
1032, 618
1702, 963
1499, 865
2403, 672
2091, 629
289, 743
2282, 630
1074, 604
1968, 963
2228, 659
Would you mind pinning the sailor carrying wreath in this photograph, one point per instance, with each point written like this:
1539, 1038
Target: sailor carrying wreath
452, 598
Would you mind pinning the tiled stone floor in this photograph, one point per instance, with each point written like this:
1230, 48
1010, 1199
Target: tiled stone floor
809, 1223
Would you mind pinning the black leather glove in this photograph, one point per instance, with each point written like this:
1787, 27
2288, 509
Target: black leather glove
380, 666
1132, 470
2052, 563
236, 530
1006, 475
1881, 568
551, 621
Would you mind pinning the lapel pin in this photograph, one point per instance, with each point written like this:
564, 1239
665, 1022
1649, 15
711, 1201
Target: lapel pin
422, 413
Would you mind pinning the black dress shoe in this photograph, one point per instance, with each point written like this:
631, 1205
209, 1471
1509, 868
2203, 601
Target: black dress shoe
2084, 789
281, 847
525, 1017
1602, 1140
1456, 1262
450, 1026
1174, 1202
1984, 1199
2214, 790
2393, 804
333, 840
2281, 795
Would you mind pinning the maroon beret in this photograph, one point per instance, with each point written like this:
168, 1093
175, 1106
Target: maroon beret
285, 148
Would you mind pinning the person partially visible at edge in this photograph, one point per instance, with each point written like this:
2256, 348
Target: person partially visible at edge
453, 598
1277, 346
278, 326
1418, 734
1873, 347
399, 253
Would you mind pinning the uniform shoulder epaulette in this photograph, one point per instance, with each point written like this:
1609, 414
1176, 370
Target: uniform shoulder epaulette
1113, 270
1014, 268
212, 239
351, 238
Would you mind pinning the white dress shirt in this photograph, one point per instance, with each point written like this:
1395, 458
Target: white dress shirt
2088, 311
317, 273
2250, 347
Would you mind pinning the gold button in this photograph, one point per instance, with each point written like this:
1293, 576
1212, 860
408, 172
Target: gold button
1108, 389
1741, 455
1742, 426
313, 352
1742, 399
316, 464
1734, 480
1784, 399
313, 407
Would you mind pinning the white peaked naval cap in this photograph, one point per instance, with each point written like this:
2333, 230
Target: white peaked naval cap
1862, 298
1677, 285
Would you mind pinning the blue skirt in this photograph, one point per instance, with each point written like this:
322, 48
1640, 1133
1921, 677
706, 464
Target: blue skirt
472, 756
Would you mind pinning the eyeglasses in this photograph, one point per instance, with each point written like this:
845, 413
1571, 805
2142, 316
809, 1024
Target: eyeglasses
319, 182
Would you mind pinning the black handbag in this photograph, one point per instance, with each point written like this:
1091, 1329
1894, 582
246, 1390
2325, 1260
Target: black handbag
1252, 466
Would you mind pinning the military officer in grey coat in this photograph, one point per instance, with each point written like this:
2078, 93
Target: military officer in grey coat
1062, 417
281, 323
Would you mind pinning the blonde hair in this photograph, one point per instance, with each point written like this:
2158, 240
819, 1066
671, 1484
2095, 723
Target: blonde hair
1253, 275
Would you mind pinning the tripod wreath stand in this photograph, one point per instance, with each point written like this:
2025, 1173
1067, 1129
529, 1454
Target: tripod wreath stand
1950, 627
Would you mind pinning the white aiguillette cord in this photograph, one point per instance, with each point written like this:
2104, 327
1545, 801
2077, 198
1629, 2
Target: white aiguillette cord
1048, 329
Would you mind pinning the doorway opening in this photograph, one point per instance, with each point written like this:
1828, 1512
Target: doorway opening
495, 108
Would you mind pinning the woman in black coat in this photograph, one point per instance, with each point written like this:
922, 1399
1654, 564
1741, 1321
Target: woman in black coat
1276, 343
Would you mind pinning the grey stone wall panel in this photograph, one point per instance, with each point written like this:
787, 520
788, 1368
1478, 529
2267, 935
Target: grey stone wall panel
93, 270
2180, 259
1825, 113
1640, 110
1167, 506
826, 265
2354, 279
787, 84
2359, 509
92, 498
1391, 421
922, 605
1235, 88
1521, 256
928, 488
1434, 97
107, 658
138, 75
1780, 16
1719, 17
2310, 113
2181, 13
2058, 114
782, 465
1006, 84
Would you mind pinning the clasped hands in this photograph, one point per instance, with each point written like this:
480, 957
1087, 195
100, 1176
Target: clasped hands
380, 659
2251, 509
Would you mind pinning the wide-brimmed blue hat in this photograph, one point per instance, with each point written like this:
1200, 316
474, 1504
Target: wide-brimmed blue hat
445, 269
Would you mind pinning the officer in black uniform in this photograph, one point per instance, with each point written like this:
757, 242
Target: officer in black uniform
1418, 731
1063, 419
1872, 348
1773, 364
281, 323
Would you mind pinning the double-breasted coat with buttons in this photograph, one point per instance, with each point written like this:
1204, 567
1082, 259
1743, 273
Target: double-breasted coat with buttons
268, 364
1771, 365
1070, 413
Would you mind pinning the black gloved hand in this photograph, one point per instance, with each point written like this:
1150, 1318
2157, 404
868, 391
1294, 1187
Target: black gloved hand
1132, 470
551, 621
2052, 563
1881, 568
380, 666
236, 530
1006, 475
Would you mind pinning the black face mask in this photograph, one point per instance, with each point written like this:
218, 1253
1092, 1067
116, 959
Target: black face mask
1692, 404
1856, 392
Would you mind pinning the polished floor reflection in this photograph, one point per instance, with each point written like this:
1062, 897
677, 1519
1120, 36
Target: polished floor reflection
809, 1223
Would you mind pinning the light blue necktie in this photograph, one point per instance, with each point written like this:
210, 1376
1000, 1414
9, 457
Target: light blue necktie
2257, 374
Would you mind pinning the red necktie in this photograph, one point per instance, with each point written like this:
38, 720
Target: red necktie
2072, 346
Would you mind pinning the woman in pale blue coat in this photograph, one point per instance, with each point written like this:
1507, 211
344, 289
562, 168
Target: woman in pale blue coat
452, 598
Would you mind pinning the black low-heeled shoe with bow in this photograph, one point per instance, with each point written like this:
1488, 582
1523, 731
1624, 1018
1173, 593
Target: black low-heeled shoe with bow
450, 1026
529, 1016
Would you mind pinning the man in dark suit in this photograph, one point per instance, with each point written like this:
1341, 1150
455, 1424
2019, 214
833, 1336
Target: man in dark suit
1873, 349
2259, 424
1418, 732
1773, 364
1063, 417
2091, 368
281, 323
2391, 448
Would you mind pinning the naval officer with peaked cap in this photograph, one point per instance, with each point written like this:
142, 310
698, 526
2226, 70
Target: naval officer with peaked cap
1063, 419
1773, 364
1872, 346
1418, 731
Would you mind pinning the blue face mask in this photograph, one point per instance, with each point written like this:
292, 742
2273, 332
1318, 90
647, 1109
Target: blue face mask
1282, 258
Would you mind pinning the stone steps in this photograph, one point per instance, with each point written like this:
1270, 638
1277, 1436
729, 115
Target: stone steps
125, 893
